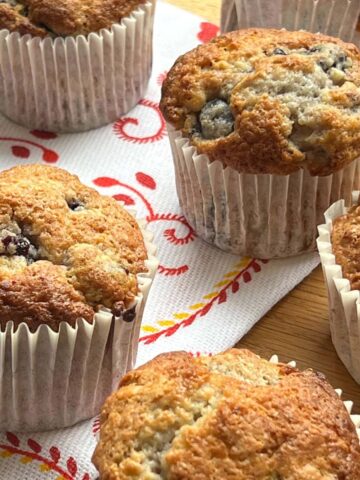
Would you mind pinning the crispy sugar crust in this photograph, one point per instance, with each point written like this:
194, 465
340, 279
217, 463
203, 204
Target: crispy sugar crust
346, 245
85, 258
289, 113
64, 17
232, 416
12, 20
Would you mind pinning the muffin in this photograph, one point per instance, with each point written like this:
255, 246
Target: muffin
265, 133
85, 63
41, 18
231, 416
75, 271
339, 247
337, 18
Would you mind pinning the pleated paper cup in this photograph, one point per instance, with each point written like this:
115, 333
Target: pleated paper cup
347, 403
337, 18
76, 83
262, 216
344, 303
52, 380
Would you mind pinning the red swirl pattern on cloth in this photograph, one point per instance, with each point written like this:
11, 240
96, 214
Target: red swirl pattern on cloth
170, 234
21, 148
120, 126
161, 77
207, 31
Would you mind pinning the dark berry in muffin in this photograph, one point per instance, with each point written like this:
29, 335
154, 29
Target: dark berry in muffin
65, 250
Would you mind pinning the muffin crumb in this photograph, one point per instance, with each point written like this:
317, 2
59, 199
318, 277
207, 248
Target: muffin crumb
232, 415
63, 17
269, 101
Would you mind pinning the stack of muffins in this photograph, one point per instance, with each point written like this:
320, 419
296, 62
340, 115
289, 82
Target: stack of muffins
264, 126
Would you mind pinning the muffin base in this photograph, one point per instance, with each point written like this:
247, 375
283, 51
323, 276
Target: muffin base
344, 303
262, 216
330, 17
52, 380
80, 83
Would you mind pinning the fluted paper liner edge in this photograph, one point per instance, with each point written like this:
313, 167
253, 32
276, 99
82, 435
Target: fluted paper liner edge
344, 303
76, 83
51, 380
335, 18
262, 216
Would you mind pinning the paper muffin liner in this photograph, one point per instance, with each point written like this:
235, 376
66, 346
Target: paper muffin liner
344, 303
76, 83
331, 17
262, 216
347, 403
52, 380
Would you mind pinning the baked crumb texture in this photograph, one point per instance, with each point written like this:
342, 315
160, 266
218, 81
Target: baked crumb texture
63, 17
65, 250
345, 238
269, 101
230, 416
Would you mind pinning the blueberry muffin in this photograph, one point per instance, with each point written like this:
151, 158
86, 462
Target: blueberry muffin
73, 65
269, 101
345, 238
274, 121
75, 272
66, 251
231, 416
63, 17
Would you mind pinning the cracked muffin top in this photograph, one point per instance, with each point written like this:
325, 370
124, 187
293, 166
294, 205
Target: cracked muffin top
232, 416
63, 17
269, 101
345, 238
65, 250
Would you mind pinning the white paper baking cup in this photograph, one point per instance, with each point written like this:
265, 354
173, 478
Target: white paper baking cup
262, 216
344, 303
331, 17
348, 403
52, 380
76, 83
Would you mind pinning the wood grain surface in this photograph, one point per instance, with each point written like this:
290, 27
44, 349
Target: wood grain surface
297, 327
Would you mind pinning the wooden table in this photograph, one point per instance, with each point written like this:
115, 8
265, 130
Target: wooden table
297, 327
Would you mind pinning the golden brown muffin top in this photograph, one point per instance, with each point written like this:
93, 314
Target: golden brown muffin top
63, 17
65, 250
269, 101
232, 416
345, 239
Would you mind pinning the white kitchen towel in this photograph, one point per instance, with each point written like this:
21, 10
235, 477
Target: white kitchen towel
202, 301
